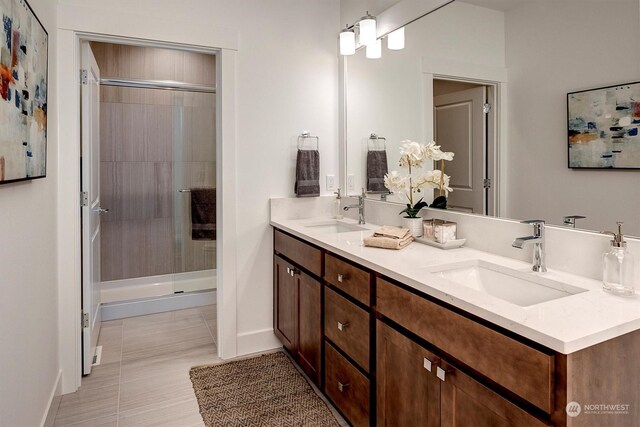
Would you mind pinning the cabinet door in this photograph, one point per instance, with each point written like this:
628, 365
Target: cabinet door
309, 324
408, 393
466, 402
285, 303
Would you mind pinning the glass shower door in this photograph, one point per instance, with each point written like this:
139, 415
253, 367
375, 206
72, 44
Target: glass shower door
194, 168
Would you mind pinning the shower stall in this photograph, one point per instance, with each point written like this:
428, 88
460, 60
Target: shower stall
158, 149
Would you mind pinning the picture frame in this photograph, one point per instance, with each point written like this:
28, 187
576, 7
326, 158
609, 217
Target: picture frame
24, 67
603, 127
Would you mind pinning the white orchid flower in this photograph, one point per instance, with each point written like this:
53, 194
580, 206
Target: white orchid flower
396, 183
411, 153
433, 152
432, 179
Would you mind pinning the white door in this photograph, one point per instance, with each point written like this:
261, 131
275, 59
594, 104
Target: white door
459, 126
91, 209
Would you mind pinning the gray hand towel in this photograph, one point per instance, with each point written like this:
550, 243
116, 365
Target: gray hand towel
307, 173
203, 214
376, 170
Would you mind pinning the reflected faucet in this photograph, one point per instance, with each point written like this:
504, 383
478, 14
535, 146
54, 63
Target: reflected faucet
538, 240
360, 207
570, 220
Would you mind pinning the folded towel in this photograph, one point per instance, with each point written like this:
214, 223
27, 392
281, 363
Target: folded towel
392, 232
307, 173
387, 242
376, 170
203, 214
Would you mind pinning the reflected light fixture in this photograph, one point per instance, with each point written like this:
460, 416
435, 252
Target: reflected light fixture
368, 30
347, 41
374, 50
395, 40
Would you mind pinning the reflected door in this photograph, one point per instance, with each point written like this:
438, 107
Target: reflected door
459, 126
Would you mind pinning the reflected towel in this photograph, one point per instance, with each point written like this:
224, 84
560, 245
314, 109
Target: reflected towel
203, 214
376, 170
387, 242
307, 173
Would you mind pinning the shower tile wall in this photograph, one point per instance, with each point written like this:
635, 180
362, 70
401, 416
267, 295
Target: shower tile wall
154, 142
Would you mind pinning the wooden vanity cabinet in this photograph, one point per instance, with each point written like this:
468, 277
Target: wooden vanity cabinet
417, 388
297, 302
326, 307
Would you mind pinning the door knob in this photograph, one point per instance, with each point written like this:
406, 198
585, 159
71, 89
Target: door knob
429, 364
101, 210
342, 326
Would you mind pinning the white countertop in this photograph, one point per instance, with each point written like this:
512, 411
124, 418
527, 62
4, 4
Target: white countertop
566, 324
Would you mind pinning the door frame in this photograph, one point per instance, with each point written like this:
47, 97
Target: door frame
490, 140
77, 24
495, 78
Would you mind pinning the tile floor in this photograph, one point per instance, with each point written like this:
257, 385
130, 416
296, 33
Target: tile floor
143, 378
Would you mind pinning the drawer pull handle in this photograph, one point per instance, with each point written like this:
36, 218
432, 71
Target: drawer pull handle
342, 387
288, 271
441, 373
427, 364
342, 277
342, 326
294, 271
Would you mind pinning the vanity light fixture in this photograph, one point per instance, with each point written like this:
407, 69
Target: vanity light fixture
363, 33
347, 41
395, 39
374, 50
368, 29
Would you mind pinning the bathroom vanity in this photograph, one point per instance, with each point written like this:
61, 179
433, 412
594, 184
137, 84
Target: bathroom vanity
391, 339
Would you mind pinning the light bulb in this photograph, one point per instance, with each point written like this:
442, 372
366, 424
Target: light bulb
374, 50
347, 42
368, 30
395, 40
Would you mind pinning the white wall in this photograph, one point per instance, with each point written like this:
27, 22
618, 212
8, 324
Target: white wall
28, 307
388, 96
286, 83
554, 48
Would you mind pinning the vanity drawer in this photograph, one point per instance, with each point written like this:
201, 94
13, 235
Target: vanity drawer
348, 278
346, 387
303, 254
347, 326
518, 367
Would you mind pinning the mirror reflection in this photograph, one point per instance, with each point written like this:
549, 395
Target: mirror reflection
488, 80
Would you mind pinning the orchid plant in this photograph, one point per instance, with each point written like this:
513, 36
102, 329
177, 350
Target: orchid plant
412, 156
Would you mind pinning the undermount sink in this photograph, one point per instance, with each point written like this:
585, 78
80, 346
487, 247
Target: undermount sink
521, 288
334, 227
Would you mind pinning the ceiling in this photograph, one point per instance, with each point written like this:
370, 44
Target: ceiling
507, 5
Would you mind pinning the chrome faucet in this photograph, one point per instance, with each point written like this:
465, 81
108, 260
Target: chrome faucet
360, 207
538, 240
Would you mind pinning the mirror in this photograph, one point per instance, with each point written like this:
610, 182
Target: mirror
489, 80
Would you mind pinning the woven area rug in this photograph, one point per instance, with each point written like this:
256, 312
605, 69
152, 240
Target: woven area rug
261, 391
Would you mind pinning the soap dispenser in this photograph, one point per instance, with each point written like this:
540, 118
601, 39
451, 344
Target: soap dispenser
619, 266
338, 202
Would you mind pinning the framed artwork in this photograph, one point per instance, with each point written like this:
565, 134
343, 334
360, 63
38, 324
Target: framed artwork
603, 127
23, 93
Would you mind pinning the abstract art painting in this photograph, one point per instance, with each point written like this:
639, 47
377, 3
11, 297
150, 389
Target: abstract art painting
23, 93
603, 127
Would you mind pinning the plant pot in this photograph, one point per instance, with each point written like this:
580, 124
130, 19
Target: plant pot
414, 225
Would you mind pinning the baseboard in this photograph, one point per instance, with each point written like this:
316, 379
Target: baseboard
143, 306
52, 405
257, 341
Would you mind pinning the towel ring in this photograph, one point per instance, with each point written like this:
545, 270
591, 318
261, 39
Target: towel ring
372, 140
304, 136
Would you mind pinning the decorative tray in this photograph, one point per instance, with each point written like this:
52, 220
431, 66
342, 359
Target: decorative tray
451, 244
